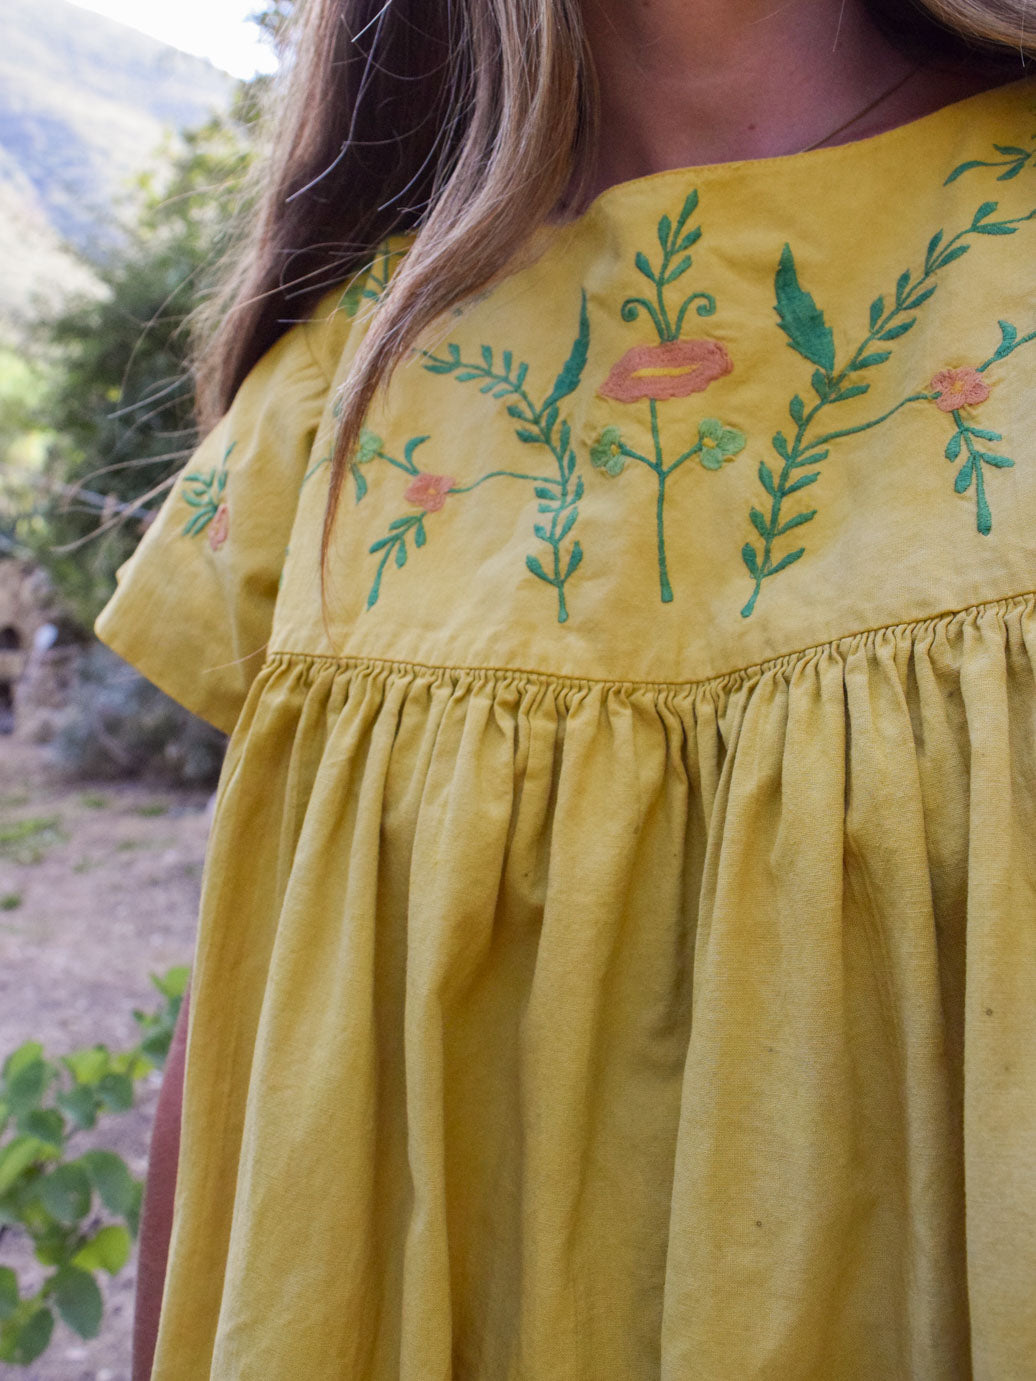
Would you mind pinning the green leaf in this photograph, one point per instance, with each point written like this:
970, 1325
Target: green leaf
81, 1104
27, 1086
401, 554
548, 495
963, 168
572, 373
531, 438
869, 361
780, 445
487, 356
786, 561
877, 311
799, 317
8, 1292
78, 1300
933, 246
952, 254
1009, 334
894, 332
360, 481
748, 556
111, 1178
821, 384
420, 536
797, 410
22, 1343
568, 524
766, 479
47, 1124
919, 299
679, 269
21, 1058
996, 228
984, 212
665, 231
66, 1193
108, 1251
759, 522
1000, 462
964, 477
797, 521
852, 392
687, 210
643, 263
17, 1156
116, 1092
537, 570
574, 560
953, 446
89, 1066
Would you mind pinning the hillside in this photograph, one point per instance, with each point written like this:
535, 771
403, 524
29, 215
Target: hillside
84, 103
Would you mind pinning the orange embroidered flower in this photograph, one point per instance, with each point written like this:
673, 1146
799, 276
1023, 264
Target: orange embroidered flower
429, 491
219, 528
957, 388
671, 370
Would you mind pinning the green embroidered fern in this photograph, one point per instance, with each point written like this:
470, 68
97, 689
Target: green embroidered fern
538, 425
204, 491
1013, 160
809, 336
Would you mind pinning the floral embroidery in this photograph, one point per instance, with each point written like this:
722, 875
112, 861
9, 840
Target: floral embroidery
674, 368
429, 491
204, 492
219, 530
540, 425
809, 335
958, 388
369, 284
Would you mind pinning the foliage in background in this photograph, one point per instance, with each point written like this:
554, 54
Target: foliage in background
79, 1210
116, 724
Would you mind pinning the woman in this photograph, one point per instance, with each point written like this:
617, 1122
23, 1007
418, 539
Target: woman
617, 943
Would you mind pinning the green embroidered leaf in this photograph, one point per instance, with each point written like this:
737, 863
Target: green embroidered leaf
902, 284
537, 570
996, 228
953, 446
380, 544
751, 560
542, 492
786, 561
853, 392
397, 523
900, 329
984, 518
780, 445
503, 392
516, 411
689, 241
869, 361
964, 168
919, 299
801, 483
577, 493
964, 477
360, 481
574, 560
984, 212
467, 375
799, 317
933, 247
1012, 150
644, 265
531, 438
572, 374
984, 435
1011, 172
541, 532
797, 521
759, 523
548, 421
797, 410
401, 554
508, 359
487, 356
488, 388
434, 366
568, 524
520, 377
665, 233
1001, 462
420, 536
1009, 335
952, 254
687, 211
821, 384
767, 480
679, 271
877, 311
564, 438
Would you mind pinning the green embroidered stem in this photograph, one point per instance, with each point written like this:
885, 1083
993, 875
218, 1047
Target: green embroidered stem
1014, 161
662, 474
809, 335
204, 491
395, 546
676, 241
369, 285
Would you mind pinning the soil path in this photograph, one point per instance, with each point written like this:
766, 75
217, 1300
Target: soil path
98, 890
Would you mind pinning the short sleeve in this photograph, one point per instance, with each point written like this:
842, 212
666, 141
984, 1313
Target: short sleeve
194, 605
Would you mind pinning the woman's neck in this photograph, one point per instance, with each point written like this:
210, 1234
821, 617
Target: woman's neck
688, 82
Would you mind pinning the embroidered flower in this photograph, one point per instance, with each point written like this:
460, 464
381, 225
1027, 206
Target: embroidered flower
670, 370
219, 528
367, 447
719, 443
606, 453
429, 491
958, 388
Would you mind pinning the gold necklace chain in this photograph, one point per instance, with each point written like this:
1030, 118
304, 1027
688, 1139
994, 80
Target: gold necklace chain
872, 105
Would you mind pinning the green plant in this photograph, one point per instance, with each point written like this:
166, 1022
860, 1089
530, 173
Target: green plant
79, 1210
10, 901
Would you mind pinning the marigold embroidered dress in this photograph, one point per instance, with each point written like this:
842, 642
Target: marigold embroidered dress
618, 944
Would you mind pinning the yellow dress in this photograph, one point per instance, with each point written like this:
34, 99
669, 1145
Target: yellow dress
618, 945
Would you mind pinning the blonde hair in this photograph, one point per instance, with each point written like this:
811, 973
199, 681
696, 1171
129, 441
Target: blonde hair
465, 123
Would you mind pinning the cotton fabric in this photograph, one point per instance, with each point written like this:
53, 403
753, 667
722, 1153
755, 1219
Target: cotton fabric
595, 985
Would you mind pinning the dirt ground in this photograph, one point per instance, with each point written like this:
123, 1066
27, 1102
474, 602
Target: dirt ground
99, 891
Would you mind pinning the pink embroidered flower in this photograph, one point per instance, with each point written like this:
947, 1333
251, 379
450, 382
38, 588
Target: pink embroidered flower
957, 388
219, 528
671, 370
429, 491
